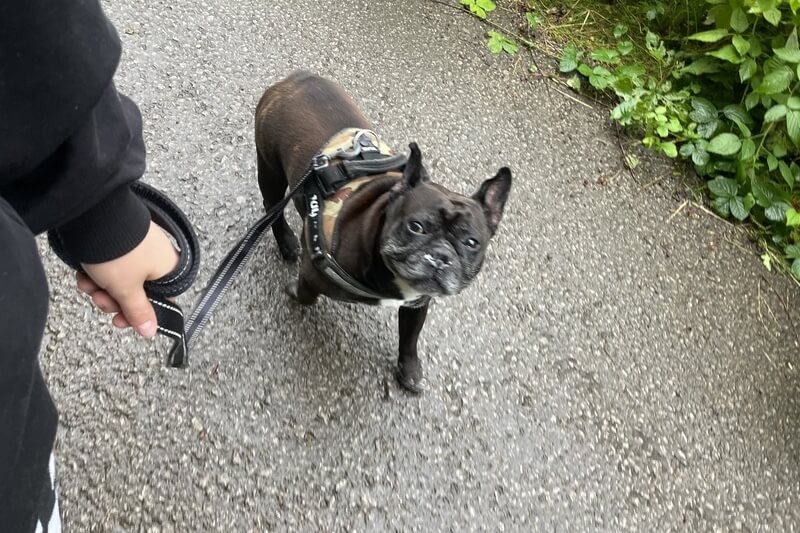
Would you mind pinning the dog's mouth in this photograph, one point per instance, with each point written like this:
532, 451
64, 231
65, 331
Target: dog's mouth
424, 276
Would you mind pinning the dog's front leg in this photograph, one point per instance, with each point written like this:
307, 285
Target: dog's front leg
410, 321
301, 289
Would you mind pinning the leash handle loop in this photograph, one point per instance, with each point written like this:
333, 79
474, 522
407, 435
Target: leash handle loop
173, 221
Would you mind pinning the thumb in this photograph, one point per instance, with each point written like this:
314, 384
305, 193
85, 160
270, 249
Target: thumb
136, 309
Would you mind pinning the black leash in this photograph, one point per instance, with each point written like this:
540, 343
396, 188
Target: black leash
172, 220
169, 217
230, 266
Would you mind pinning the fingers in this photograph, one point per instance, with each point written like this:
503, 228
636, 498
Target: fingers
120, 322
85, 283
116, 286
100, 298
137, 311
105, 302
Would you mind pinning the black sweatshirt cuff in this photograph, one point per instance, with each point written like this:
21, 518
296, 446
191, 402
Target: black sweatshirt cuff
108, 230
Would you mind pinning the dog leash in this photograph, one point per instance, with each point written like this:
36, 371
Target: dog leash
230, 266
168, 216
168, 313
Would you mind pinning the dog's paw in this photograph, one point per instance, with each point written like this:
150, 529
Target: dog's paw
411, 378
291, 290
301, 295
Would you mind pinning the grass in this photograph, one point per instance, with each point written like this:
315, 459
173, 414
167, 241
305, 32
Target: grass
589, 24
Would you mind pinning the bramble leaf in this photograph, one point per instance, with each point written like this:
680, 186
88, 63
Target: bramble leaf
533, 20
741, 44
773, 16
751, 100
574, 82
737, 112
793, 126
724, 144
669, 149
739, 20
747, 69
792, 218
710, 36
703, 110
777, 211
723, 187
625, 47
748, 149
702, 65
792, 251
776, 81
605, 55
774, 113
569, 58
738, 208
790, 56
796, 268
727, 53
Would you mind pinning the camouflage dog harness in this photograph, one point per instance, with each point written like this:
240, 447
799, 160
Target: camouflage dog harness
348, 161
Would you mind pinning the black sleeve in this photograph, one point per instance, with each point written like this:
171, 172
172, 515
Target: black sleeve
56, 59
82, 190
71, 143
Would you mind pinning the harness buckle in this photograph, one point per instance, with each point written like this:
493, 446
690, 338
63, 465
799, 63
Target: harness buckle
320, 161
363, 143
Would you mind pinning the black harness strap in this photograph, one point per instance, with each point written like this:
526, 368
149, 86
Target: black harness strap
331, 177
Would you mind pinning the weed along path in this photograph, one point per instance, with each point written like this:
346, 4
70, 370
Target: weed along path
623, 362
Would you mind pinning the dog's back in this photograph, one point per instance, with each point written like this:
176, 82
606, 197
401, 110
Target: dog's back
297, 116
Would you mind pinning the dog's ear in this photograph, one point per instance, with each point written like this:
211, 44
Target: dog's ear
492, 196
414, 173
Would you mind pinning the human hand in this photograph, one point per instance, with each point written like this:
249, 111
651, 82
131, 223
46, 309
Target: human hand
117, 286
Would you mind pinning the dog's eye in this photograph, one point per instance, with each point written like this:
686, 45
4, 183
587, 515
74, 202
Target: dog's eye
416, 227
471, 243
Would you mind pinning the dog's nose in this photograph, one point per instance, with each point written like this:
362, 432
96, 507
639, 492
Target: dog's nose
440, 260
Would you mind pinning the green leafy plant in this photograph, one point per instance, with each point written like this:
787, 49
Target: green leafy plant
479, 8
499, 43
533, 19
724, 97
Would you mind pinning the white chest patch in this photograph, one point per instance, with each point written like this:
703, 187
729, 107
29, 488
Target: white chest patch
409, 295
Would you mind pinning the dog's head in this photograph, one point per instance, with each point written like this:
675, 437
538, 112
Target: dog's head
434, 240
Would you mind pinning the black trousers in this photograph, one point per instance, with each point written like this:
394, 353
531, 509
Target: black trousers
28, 417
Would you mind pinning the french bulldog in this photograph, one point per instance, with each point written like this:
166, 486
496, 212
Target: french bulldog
400, 234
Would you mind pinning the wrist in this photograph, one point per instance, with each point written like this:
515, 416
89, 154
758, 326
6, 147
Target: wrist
108, 230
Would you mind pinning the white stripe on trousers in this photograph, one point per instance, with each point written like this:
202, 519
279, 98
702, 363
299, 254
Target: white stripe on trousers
54, 520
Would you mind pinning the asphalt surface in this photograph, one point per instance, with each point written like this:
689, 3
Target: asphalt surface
613, 368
